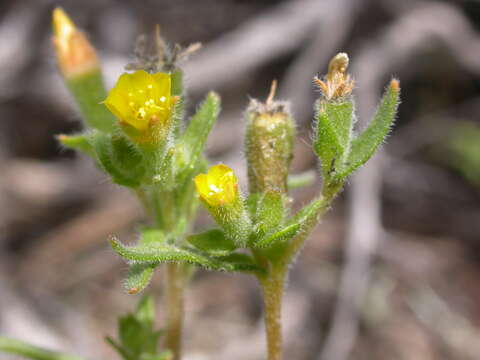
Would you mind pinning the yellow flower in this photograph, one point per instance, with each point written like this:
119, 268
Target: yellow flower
141, 99
218, 187
75, 54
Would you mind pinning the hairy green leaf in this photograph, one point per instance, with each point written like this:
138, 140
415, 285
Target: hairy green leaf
171, 253
139, 276
365, 144
281, 236
333, 133
270, 212
213, 242
103, 147
196, 134
77, 142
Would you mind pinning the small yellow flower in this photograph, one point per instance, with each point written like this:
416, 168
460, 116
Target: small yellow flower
76, 56
141, 99
218, 187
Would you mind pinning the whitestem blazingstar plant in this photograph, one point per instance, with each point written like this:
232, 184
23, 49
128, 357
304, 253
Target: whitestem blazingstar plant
144, 148
136, 136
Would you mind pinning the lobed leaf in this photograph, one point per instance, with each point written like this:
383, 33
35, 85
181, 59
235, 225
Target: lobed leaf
171, 253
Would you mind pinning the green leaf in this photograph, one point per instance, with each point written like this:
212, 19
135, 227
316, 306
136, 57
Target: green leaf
196, 134
213, 242
241, 262
124, 353
296, 181
333, 133
137, 337
77, 142
17, 347
145, 311
103, 147
139, 276
171, 253
367, 143
270, 212
309, 211
281, 236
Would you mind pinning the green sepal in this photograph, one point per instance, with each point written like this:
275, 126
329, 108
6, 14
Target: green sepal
213, 242
89, 91
196, 133
171, 253
77, 142
139, 276
118, 158
333, 134
366, 144
296, 181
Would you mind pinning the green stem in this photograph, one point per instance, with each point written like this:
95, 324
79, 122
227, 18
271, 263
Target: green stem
273, 287
166, 220
274, 283
175, 309
17, 347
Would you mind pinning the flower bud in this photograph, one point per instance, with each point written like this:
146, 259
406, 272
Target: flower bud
143, 105
218, 190
269, 144
76, 56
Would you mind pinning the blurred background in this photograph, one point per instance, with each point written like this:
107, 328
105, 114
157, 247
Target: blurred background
393, 272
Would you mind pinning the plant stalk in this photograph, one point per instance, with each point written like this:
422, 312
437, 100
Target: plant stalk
175, 309
273, 287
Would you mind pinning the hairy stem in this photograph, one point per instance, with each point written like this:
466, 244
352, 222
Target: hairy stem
273, 287
175, 309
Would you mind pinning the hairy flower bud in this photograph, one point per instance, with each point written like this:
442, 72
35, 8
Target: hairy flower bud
269, 144
218, 190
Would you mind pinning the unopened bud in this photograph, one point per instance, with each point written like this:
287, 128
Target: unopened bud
218, 190
269, 144
76, 56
